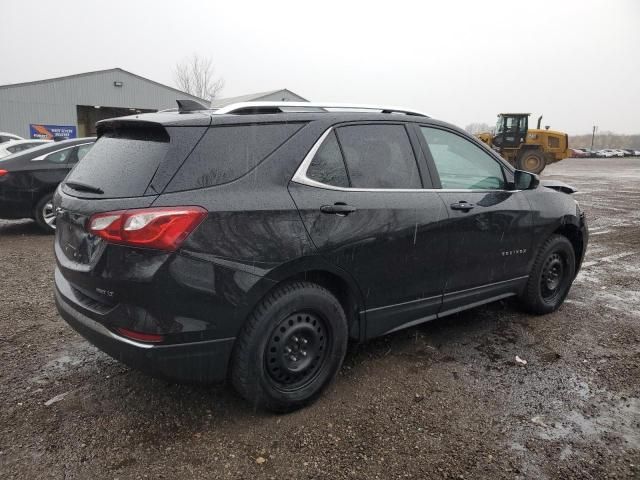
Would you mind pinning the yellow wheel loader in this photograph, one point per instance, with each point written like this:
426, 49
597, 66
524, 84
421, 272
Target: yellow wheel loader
526, 148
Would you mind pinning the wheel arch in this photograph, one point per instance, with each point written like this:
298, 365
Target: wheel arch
526, 148
339, 282
40, 194
572, 233
530, 146
342, 290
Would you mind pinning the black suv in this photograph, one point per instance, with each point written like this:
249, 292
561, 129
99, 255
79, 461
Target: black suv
254, 241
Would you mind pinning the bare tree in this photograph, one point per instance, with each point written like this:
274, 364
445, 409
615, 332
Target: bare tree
196, 76
474, 128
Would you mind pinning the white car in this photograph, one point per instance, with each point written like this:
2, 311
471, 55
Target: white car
15, 146
7, 137
605, 153
610, 152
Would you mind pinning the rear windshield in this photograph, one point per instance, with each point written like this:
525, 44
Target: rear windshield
225, 153
120, 167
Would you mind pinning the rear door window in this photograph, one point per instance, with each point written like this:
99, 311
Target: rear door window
61, 156
80, 152
226, 153
379, 156
17, 148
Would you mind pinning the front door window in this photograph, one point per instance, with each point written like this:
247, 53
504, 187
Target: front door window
461, 164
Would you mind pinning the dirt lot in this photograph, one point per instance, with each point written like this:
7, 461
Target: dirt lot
443, 400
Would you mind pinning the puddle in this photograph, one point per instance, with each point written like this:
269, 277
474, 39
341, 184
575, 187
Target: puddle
615, 418
74, 357
608, 258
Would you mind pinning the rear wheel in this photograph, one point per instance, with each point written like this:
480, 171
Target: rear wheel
531, 161
551, 277
44, 214
291, 347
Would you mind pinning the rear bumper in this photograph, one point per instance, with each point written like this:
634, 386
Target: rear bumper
202, 362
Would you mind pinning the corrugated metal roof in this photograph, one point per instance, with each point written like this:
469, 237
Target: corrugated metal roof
85, 74
253, 97
56, 101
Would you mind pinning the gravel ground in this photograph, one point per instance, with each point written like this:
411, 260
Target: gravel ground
444, 400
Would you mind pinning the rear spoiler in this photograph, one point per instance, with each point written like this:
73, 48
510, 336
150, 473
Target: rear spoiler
132, 129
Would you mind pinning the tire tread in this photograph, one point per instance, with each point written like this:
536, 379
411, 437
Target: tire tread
240, 375
529, 297
37, 213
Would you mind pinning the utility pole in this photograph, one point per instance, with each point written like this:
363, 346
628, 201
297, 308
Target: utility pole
593, 135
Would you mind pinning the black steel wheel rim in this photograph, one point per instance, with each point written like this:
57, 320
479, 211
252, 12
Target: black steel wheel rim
552, 279
296, 350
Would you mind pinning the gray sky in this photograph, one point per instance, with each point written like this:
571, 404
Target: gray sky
577, 62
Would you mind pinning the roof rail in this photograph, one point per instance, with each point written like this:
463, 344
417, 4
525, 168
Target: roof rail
278, 107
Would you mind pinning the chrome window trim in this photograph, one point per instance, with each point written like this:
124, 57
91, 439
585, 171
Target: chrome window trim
45, 155
300, 177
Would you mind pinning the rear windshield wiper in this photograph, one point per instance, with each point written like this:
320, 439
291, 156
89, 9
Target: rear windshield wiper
83, 187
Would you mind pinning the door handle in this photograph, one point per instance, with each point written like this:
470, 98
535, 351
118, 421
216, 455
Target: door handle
339, 208
462, 206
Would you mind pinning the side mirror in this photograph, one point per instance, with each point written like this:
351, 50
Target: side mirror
525, 180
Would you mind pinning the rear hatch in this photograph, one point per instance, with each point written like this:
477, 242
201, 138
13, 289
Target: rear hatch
130, 164
112, 237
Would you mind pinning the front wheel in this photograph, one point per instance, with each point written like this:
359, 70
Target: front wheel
44, 214
290, 348
551, 276
531, 161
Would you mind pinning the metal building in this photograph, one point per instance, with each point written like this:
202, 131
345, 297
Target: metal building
70, 106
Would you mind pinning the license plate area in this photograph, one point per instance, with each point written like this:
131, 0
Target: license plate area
76, 244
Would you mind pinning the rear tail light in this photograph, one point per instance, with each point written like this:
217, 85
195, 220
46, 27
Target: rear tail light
3, 173
163, 228
140, 336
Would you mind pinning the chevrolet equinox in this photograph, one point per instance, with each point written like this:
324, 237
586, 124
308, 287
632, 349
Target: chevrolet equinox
254, 241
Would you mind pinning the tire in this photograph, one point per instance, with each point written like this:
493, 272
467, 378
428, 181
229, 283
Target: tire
551, 276
44, 215
531, 161
291, 347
